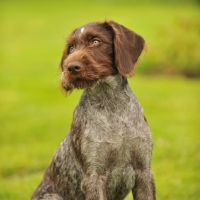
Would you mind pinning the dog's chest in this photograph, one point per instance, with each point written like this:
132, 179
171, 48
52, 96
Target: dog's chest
107, 132
107, 148
107, 125
113, 121
104, 135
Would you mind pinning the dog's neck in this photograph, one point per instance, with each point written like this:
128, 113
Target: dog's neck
110, 90
108, 84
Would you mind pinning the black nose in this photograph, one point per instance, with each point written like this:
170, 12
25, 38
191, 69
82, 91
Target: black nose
74, 67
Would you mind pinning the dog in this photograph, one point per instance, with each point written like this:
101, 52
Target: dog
107, 152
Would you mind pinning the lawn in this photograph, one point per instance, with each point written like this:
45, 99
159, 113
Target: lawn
35, 116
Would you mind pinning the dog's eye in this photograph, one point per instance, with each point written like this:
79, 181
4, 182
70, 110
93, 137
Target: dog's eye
95, 42
71, 49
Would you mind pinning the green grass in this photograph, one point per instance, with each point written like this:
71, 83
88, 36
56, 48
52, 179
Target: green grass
35, 116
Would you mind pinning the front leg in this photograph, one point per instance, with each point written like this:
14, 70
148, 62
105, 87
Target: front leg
94, 187
144, 188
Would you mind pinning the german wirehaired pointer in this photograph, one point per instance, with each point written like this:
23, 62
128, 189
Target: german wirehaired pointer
107, 152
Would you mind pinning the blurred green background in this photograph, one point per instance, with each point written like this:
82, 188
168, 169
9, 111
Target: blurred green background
35, 116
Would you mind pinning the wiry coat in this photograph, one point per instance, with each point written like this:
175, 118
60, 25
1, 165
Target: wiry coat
107, 152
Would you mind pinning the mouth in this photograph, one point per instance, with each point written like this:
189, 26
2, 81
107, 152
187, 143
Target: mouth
72, 81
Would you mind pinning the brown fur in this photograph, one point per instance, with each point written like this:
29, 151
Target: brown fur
104, 59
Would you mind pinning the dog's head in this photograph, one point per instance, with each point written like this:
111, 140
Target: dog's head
97, 50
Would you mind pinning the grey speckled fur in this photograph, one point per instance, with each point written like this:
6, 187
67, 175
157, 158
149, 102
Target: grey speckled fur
107, 152
115, 152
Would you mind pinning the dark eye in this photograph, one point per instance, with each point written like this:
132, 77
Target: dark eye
95, 42
71, 49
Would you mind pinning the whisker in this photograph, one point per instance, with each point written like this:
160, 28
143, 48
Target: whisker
58, 78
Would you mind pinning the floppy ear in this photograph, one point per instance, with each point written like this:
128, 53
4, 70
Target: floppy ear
128, 46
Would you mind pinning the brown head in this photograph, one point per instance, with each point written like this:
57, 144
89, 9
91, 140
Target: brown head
97, 50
